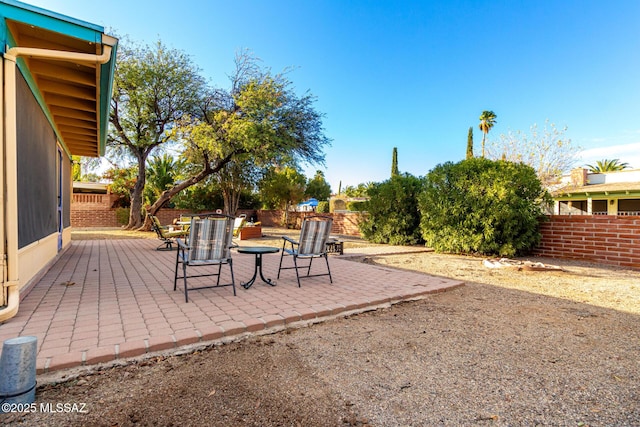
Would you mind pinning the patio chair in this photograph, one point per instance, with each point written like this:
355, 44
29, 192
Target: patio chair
209, 244
238, 223
311, 244
165, 234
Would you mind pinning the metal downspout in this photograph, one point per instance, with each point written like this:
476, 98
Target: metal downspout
9, 165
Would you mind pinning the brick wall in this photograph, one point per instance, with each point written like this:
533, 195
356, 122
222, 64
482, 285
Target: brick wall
343, 223
606, 239
94, 210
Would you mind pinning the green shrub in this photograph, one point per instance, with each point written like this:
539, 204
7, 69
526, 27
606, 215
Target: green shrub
357, 206
122, 216
323, 207
393, 215
482, 206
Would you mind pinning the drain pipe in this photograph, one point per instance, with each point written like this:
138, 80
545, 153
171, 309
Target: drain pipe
8, 170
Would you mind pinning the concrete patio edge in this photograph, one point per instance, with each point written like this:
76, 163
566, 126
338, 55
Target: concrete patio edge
67, 366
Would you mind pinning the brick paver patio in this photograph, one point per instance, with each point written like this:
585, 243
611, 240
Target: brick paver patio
105, 300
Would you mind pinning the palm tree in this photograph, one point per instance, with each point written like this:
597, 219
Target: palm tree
487, 120
161, 174
607, 165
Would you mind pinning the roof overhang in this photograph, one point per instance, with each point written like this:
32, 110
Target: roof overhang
69, 65
615, 190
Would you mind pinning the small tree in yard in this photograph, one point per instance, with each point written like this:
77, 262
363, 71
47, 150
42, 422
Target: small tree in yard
547, 150
393, 215
318, 187
482, 206
470, 144
394, 162
281, 188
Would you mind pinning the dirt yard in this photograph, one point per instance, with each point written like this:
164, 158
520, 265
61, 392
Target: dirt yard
512, 347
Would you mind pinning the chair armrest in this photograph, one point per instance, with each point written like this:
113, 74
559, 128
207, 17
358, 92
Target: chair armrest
290, 240
182, 244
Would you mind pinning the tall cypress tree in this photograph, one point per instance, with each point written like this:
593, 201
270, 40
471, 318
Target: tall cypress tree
470, 143
394, 162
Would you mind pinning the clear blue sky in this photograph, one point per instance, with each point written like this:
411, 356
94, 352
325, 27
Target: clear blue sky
417, 74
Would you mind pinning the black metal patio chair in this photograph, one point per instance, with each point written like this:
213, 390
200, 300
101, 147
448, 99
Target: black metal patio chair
209, 244
311, 244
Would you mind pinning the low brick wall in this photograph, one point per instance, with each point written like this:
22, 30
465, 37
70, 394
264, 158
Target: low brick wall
94, 210
607, 239
343, 223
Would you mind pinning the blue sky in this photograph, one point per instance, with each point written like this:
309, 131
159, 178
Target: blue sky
417, 75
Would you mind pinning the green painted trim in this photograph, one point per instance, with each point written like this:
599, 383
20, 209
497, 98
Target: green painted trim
52, 21
598, 196
107, 72
55, 22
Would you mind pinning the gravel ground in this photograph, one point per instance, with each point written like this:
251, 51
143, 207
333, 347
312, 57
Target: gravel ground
509, 348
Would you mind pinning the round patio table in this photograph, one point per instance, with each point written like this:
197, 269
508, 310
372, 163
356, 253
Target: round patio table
258, 251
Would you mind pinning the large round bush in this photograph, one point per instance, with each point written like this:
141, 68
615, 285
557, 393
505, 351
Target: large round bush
482, 206
393, 215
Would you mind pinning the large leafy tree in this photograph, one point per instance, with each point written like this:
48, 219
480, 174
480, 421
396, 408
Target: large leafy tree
487, 120
607, 165
548, 151
260, 115
154, 86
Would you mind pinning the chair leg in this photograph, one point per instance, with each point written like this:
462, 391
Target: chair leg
184, 271
309, 269
233, 281
165, 246
326, 258
295, 263
281, 256
175, 276
219, 271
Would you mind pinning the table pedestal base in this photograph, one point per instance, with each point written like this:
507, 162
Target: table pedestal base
258, 269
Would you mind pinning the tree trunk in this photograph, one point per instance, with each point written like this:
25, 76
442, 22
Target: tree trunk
168, 194
231, 201
135, 212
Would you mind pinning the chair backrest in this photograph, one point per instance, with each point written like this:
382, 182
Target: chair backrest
314, 234
238, 223
210, 239
155, 224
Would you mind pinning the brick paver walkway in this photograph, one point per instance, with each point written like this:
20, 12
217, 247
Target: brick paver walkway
105, 300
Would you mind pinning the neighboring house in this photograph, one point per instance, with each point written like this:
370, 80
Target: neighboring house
57, 75
610, 193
